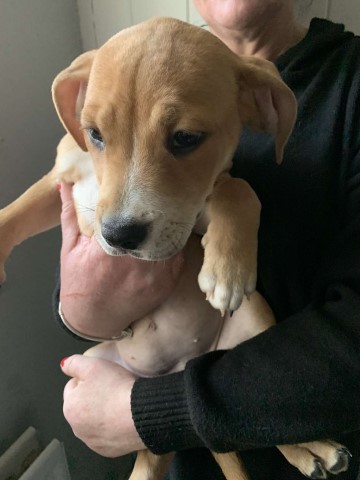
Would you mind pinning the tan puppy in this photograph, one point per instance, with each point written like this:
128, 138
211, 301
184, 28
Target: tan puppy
165, 127
157, 113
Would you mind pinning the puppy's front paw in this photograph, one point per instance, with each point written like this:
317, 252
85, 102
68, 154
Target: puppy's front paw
226, 275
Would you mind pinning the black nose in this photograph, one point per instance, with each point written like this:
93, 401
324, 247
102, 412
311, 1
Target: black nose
127, 235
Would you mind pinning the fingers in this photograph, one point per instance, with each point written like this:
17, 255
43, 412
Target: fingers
69, 224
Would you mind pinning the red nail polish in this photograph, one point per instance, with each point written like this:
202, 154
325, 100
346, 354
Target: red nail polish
63, 361
58, 186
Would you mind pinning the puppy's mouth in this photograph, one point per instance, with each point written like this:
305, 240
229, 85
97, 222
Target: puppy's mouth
163, 254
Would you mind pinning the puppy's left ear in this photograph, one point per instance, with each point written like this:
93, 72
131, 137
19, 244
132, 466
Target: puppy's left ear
68, 92
265, 101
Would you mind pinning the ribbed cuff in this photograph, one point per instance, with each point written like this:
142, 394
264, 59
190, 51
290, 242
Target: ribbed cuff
161, 415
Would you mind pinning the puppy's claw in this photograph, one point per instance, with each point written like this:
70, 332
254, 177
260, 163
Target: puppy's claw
319, 472
343, 459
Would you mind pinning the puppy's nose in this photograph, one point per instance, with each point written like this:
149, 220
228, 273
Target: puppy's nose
127, 235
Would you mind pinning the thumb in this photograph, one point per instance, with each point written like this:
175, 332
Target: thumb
77, 366
69, 224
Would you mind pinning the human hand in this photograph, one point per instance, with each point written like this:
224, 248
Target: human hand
102, 295
97, 405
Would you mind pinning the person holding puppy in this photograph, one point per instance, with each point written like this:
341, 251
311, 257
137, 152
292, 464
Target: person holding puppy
300, 380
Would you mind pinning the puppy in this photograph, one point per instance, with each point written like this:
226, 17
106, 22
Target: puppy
153, 119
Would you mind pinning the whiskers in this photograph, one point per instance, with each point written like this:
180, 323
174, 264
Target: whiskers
85, 208
185, 225
171, 240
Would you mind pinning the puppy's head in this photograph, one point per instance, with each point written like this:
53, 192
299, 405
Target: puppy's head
160, 108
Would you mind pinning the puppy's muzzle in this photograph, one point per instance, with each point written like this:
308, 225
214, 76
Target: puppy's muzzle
124, 235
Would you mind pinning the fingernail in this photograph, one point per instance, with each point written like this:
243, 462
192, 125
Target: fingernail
63, 361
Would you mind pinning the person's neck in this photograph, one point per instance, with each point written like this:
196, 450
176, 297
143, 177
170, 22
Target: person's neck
267, 41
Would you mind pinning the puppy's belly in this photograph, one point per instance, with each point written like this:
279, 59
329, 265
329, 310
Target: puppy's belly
158, 346
165, 341
182, 328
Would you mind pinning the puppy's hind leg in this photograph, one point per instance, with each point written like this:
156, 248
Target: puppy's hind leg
317, 459
36, 210
231, 466
334, 456
149, 466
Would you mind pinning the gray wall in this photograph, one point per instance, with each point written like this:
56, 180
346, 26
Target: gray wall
37, 39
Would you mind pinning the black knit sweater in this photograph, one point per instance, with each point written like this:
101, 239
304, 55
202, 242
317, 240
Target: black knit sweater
300, 380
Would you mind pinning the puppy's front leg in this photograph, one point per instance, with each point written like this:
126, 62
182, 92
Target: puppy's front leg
230, 257
36, 210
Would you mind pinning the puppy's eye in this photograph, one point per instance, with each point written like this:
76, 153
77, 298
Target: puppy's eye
183, 142
96, 138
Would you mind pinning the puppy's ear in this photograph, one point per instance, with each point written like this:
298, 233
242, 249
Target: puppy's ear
68, 92
265, 102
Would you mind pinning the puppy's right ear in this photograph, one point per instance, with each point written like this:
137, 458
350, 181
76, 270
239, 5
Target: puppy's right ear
265, 102
68, 92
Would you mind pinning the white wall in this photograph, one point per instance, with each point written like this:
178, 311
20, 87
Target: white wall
37, 39
347, 12
100, 19
341, 11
